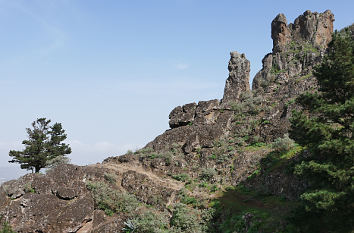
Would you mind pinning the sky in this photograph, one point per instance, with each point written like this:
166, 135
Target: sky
111, 71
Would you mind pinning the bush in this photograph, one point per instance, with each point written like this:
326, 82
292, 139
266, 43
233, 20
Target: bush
110, 200
28, 188
186, 199
147, 222
207, 174
185, 218
248, 104
284, 144
59, 160
181, 177
111, 178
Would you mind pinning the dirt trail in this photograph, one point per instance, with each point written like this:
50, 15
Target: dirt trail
124, 167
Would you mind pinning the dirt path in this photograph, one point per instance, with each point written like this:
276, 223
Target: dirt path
124, 167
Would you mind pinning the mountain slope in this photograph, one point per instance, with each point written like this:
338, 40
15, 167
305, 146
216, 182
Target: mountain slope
197, 174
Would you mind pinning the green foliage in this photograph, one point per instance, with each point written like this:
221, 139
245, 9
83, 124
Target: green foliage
181, 177
185, 218
111, 178
242, 210
5, 227
284, 144
57, 161
28, 188
304, 77
325, 127
149, 154
248, 104
188, 200
111, 201
275, 70
207, 174
221, 151
44, 144
148, 222
278, 158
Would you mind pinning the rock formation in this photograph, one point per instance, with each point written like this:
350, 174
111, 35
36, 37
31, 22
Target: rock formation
297, 47
239, 78
207, 142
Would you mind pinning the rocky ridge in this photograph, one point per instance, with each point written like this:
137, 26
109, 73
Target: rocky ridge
209, 146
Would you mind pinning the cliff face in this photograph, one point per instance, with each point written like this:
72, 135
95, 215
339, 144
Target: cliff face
208, 145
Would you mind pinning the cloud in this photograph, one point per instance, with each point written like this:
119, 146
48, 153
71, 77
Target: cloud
182, 66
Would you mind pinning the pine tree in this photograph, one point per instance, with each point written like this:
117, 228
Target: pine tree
44, 143
325, 128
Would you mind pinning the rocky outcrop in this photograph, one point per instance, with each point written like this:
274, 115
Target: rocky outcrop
208, 142
239, 78
313, 28
194, 125
56, 202
297, 48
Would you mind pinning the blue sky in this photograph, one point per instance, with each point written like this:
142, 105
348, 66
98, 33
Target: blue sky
111, 71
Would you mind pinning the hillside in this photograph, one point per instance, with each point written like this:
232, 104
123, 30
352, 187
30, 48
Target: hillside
215, 170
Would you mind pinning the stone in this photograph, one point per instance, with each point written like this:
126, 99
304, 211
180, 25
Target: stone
313, 28
238, 80
181, 116
281, 34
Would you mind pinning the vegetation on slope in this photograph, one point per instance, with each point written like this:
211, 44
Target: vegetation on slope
325, 127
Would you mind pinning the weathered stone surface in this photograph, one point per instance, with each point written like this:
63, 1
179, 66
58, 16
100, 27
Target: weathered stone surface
181, 116
314, 28
202, 133
238, 80
40, 203
281, 34
146, 190
297, 48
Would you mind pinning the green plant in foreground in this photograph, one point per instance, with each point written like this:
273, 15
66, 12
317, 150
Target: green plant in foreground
325, 126
148, 222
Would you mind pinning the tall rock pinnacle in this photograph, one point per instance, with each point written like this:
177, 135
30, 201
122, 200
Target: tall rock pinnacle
239, 76
281, 34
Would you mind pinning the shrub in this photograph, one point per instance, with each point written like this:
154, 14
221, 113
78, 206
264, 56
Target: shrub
188, 200
111, 201
181, 177
111, 178
284, 144
248, 104
147, 222
207, 174
59, 160
185, 218
28, 188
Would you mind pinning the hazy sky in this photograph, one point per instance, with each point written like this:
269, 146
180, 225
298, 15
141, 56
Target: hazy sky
111, 71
